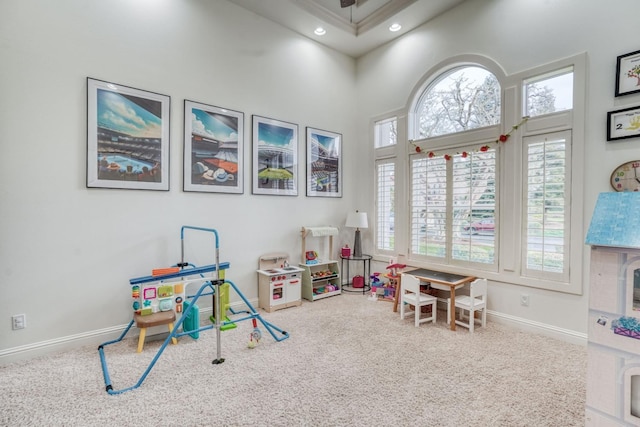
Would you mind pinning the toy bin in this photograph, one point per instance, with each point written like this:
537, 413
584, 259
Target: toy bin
358, 281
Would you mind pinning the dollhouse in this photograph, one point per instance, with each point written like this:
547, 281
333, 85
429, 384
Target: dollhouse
613, 355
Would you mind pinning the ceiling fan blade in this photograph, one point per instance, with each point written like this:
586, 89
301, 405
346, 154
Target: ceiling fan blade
347, 3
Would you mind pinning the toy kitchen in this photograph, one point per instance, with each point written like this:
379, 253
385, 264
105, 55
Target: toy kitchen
279, 284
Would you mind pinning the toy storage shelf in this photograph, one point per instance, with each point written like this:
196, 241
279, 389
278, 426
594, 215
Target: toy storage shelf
317, 277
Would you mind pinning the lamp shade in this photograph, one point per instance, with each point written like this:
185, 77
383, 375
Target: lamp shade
357, 220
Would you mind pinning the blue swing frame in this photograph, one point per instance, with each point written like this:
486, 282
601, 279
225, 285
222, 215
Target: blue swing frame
209, 287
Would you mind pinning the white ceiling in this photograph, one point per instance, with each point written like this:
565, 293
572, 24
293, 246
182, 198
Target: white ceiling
353, 30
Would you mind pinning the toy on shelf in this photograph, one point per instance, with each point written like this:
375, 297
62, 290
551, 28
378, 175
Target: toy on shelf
325, 231
325, 289
324, 274
311, 257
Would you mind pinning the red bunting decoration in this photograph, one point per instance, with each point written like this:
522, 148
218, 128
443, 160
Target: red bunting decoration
501, 139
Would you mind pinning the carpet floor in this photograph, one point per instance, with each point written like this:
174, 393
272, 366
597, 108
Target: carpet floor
349, 361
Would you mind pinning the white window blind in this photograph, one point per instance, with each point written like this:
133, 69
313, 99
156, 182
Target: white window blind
428, 206
474, 190
453, 207
547, 209
385, 200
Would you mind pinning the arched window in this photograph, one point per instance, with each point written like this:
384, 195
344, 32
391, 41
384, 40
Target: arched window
453, 172
461, 99
490, 166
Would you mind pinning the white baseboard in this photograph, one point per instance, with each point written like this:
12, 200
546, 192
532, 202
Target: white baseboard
551, 331
566, 335
70, 342
101, 336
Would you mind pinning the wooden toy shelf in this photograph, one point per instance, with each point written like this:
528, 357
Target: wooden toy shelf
320, 280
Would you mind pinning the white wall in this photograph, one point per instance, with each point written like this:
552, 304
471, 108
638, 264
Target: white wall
67, 252
519, 35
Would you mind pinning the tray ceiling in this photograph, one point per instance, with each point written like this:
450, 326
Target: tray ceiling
353, 30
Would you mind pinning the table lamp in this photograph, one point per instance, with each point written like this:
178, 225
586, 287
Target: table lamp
357, 220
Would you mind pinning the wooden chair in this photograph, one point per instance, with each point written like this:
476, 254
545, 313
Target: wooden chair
154, 319
475, 301
411, 295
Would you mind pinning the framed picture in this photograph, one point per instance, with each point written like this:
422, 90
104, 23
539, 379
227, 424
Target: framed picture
127, 137
628, 74
622, 124
275, 157
213, 149
324, 163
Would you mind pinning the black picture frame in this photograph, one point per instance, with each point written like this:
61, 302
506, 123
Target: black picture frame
275, 157
324, 163
623, 124
213, 149
628, 73
127, 137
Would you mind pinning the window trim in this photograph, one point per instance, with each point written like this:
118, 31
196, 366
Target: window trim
509, 159
390, 153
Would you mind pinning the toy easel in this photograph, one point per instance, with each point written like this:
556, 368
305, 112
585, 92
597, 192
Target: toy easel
317, 232
212, 286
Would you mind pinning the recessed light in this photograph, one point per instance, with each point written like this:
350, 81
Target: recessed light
395, 27
320, 31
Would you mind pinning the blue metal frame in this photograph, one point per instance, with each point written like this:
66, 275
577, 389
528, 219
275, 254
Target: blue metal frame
213, 285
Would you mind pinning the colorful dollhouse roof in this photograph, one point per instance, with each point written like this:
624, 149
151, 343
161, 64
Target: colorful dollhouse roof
616, 221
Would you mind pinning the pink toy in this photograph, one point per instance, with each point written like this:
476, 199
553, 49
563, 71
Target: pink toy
346, 251
393, 268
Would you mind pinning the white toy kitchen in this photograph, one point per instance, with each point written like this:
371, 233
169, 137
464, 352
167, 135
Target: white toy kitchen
279, 283
613, 352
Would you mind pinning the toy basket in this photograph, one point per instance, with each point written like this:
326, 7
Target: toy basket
358, 281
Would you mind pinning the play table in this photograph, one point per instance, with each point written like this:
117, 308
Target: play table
438, 280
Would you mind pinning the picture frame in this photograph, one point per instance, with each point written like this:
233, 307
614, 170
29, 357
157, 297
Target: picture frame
213, 149
628, 73
127, 137
275, 157
623, 124
324, 163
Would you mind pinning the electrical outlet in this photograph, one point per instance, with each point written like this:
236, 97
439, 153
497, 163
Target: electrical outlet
18, 321
524, 300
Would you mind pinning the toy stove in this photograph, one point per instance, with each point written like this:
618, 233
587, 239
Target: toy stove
279, 284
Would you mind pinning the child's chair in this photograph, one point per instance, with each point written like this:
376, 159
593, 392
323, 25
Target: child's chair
475, 301
154, 319
410, 294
